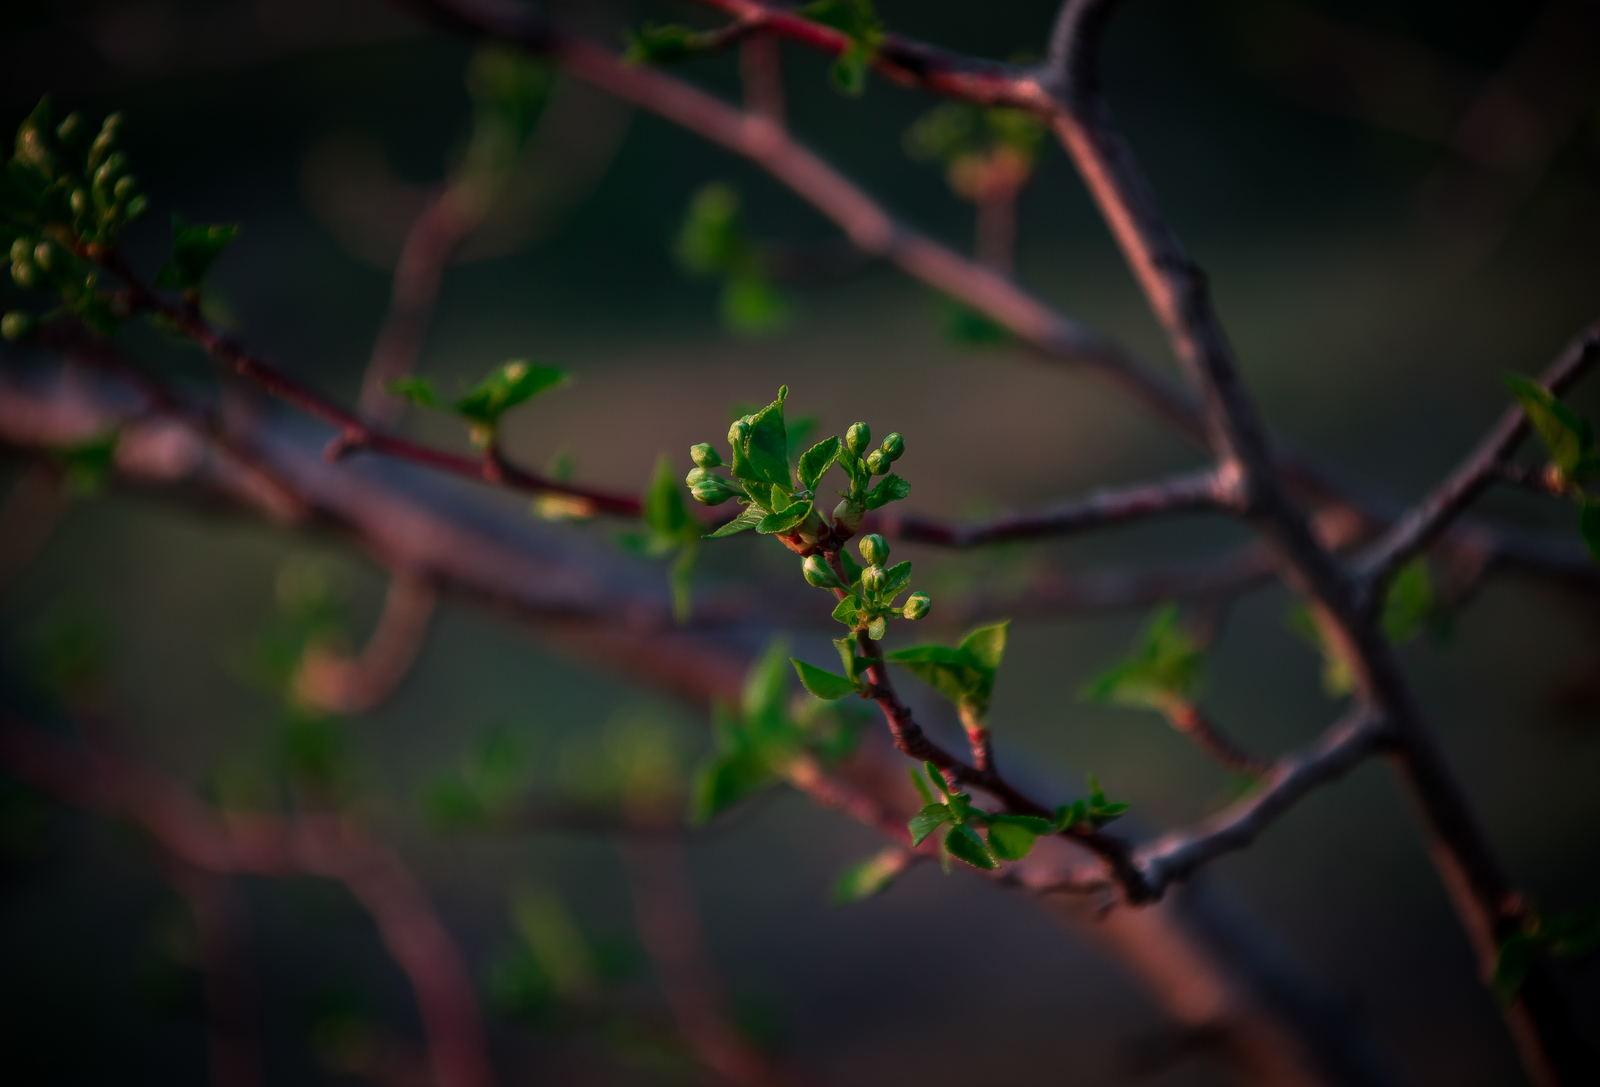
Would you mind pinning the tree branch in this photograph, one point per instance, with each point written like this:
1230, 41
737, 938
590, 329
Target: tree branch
1419, 528
231, 843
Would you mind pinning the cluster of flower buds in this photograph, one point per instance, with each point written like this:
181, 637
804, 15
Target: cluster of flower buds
862, 464
707, 487
63, 194
872, 588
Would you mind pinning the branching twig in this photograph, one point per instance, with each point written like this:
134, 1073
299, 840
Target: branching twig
1195, 723
1411, 535
269, 845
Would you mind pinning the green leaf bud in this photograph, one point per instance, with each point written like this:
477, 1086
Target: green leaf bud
916, 606
705, 456
25, 274
818, 573
48, 255
877, 463
22, 249
16, 325
125, 188
873, 578
698, 475
877, 628
111, 169
874, 550
71, 128
858, 438
79, 201
847, 516
737, 433
894, 447
138, 206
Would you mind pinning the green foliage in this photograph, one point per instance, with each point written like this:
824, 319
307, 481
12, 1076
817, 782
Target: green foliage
1088, 813
509, 90
824, 684
665, 43
1568, 439
1009, 837
857, 20
509, 385
713, 244
669, 530
966, 326
964, 674
490, 778
762, 449
194, 249
870, 877
1164, 669
1409, 607
955, 133
1571, 935
85, 466
756, 743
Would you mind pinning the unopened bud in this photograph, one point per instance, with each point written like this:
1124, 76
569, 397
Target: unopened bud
705, 456
711, 492
737, 433
857, 438
874, 550
138, 206
125, 188
16, 325
847, 517
25, 274
71, 128
873, 578
894, 447
48, 255
877, 463
22, 249
818, 573
916, 606
79, 201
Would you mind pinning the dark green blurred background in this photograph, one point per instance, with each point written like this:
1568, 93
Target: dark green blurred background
1378, 263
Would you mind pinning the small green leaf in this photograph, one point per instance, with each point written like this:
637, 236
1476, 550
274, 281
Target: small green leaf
928, 820
816, 461
1589, 525
1165, 667
964, 844
1512, 965
664, 508
418, 390
194, 248
899, 576
681, 580
891, 488
987, 645
1409, 602
921, 785
852, 568
662, 44
748, 518
1565, 436
848, 612
513, 383
824, 684
869, 877
751, 306
766, 687
87, 465
1012, 840
723, 782
966, 326
785, 520
848, 73
1337, 678
878, 627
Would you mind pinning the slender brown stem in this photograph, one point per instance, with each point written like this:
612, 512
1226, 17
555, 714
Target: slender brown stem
347, 685
1196, 724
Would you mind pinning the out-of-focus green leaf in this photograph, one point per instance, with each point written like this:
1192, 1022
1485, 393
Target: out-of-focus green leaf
869, 877
1165, 667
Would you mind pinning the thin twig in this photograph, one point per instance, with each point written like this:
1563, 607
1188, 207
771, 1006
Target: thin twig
1196, 724
348, 685
1412, 534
